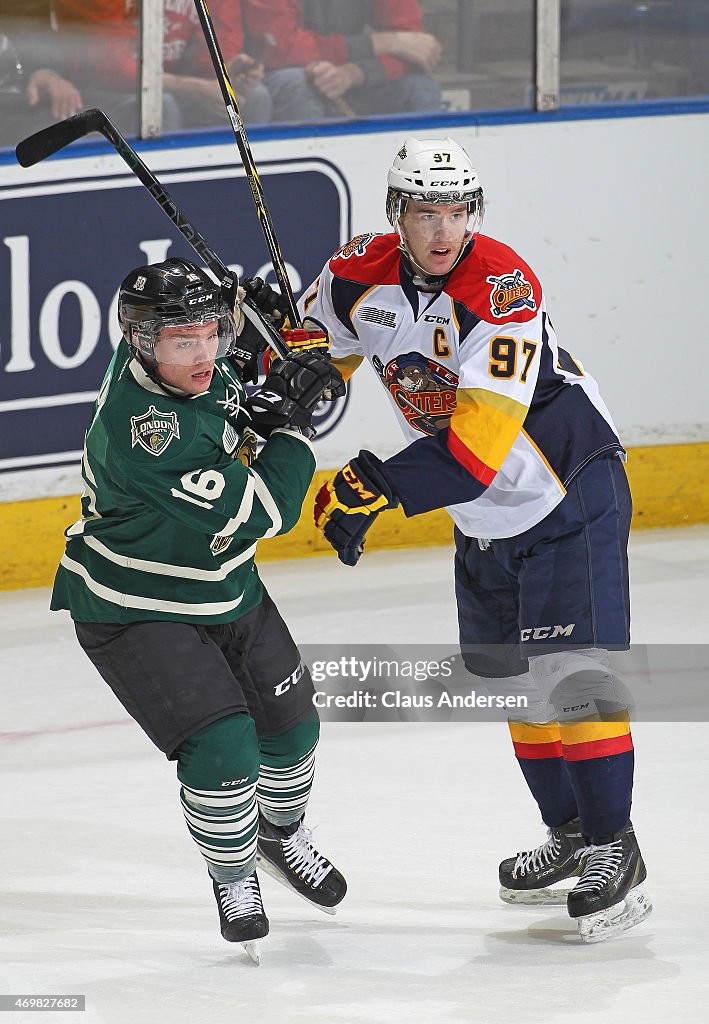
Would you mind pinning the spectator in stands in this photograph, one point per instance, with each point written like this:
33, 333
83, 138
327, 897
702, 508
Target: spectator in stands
106, 33
34, 89
325, 57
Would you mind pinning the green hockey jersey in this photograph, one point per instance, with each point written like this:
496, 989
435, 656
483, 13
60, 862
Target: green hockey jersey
171, 516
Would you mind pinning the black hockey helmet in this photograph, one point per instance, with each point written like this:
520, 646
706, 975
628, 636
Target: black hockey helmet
173, 293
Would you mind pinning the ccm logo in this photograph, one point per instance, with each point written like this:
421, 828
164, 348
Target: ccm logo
546, 632
356, 484
292, 680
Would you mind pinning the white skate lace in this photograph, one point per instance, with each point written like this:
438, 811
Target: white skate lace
240, 899
535, 860
601, 865
303, 858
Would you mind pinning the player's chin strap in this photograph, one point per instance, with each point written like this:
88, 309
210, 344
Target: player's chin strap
424, 281
150, 371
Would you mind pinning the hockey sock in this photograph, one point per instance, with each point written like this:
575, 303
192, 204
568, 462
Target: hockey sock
600, 761
594, 730
287, 770
538, 749
218, 769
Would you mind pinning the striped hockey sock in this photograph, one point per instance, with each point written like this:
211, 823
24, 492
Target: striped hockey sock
224, 826
283, 792
538, 749
287, 770
218, 769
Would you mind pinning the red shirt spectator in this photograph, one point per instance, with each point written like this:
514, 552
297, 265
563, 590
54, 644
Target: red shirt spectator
108, 37
346, 49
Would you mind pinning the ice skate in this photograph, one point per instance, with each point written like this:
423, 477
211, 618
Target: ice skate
610, 895
287, 853
241, 914
545, 875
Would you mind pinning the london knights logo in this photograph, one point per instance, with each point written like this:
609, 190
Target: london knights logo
154, 430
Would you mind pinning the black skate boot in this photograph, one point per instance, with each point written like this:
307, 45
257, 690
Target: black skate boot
286, 853
610, 895
241, 913
544, 875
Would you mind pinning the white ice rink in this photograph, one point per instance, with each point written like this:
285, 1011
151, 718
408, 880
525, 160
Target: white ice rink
104, 894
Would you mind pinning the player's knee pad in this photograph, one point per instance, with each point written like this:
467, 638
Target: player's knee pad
579, 683
292, 745
222, 756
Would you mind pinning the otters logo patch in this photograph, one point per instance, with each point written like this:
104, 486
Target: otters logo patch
154, 430
510, 292
356, 247
423, 390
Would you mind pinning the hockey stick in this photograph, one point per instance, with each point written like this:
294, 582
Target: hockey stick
57, 136
242, 142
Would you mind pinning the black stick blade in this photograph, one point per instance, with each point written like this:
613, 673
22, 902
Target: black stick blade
50, 140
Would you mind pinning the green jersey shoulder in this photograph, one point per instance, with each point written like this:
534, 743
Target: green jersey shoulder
170, 513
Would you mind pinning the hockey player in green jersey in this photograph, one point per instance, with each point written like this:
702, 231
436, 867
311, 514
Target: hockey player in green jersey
160, 580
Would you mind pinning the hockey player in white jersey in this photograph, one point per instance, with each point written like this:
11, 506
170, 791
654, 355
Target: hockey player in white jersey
508, 431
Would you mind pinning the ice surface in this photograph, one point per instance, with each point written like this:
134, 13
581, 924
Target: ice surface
102, 892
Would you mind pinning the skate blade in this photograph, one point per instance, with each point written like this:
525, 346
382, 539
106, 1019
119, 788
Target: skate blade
272, 870
253, 949
606, 923
535, 897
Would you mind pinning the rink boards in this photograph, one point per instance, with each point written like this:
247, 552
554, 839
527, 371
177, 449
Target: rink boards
574, 197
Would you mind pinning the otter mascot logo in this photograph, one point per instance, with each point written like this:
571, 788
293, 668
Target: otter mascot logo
424, 391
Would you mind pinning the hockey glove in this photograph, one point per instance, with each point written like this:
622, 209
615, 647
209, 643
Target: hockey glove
347, 505
291, 391
313, 336
250, 343
266, 299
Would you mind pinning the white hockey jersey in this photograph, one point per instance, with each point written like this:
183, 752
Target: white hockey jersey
500, 418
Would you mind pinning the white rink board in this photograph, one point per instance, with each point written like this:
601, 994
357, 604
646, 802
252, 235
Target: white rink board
607, 213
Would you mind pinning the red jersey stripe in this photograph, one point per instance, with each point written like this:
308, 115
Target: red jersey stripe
472, 463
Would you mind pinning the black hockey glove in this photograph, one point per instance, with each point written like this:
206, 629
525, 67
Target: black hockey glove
347, 505
291, 391
251, 340
266, 299
311, 335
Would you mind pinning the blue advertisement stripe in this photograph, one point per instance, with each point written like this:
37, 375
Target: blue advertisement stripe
412, 123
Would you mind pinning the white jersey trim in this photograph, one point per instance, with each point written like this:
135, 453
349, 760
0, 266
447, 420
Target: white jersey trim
295, 433
243, 512
147, 603
270, 507
164, 568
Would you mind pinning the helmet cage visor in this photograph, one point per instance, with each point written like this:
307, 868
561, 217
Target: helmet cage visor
189, 342
398, 200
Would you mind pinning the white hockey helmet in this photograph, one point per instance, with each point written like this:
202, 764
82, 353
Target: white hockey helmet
433, 171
